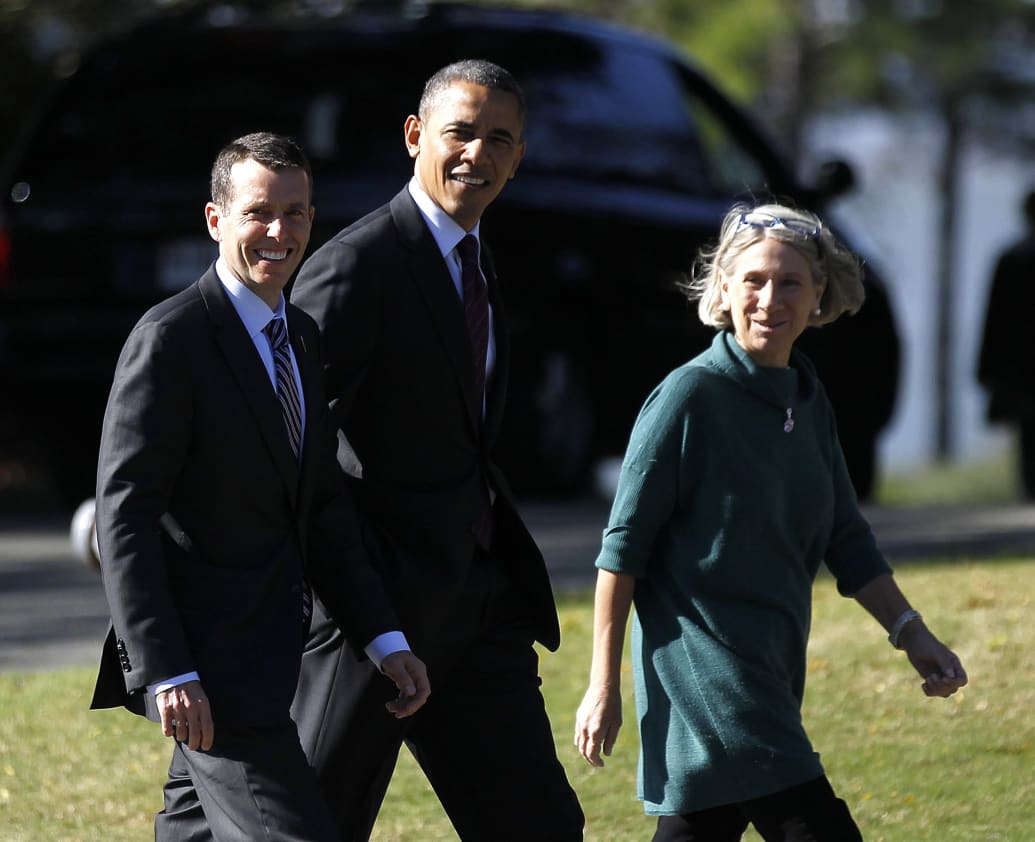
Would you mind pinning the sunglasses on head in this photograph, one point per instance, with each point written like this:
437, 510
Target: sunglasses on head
760, 219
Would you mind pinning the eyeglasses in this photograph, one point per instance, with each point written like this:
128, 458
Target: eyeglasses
759, 219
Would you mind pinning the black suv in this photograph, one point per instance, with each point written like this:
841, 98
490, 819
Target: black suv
632, 159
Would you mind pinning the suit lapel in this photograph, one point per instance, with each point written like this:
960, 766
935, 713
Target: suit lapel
239, 351
312, 395
435, 286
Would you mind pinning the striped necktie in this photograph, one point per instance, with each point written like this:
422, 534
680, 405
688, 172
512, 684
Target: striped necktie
287, 388
291, 406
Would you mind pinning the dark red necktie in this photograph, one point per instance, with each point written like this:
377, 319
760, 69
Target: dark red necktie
476, 310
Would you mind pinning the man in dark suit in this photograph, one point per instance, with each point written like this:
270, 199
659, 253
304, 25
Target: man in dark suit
218, 503
1006, 366
418, 409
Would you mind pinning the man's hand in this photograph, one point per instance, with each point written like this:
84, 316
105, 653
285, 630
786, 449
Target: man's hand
186, 715
411, 677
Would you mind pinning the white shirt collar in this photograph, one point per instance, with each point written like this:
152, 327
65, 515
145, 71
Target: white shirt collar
254, 312
444, 229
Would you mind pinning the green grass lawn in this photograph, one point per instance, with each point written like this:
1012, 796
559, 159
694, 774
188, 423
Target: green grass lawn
989, 481
911, 768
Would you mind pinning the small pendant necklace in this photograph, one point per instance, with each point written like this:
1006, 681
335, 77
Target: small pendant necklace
788, 425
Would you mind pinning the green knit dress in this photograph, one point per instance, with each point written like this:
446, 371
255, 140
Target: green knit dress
732, 493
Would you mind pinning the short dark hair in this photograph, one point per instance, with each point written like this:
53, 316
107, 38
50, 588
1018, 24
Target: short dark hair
475, 72
273, 151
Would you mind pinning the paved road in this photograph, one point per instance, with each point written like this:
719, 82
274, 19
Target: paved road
52, 609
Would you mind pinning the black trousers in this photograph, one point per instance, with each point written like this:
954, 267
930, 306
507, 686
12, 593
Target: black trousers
254, 785
1026, 433
483, 739
809, 812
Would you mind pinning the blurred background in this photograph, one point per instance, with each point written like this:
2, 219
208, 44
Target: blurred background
910, 123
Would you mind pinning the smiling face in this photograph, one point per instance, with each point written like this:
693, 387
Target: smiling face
466, 148
770, 294
263, 232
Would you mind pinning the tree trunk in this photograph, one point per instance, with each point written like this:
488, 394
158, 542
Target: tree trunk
946, 267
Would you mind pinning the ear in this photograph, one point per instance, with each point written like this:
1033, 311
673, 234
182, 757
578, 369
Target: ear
724, 291
820, 289
412, 130
517, 160
212, 217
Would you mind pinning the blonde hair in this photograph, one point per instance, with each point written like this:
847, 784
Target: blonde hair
832, 264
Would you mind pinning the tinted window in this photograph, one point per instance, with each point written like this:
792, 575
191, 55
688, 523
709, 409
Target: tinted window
610, 114
730, 168
159, 112
152, 110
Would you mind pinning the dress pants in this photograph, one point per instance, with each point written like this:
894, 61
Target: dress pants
483, 739
253, 785
809, 812
1026, 436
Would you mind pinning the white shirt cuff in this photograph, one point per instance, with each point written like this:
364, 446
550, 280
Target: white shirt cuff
169, 683
384, 645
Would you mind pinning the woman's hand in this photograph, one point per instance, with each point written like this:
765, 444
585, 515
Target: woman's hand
940, 668
600, 715
597, 722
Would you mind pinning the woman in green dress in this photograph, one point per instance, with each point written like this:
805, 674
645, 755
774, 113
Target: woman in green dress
732, 492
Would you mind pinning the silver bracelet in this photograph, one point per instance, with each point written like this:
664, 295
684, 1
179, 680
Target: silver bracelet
896, 628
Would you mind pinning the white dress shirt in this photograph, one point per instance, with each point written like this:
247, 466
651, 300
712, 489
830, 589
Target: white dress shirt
447, 236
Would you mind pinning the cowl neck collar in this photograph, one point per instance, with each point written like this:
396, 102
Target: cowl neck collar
783, 388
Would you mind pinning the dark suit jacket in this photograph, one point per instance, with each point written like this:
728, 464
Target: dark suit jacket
400, 376
193, 427
1006, 366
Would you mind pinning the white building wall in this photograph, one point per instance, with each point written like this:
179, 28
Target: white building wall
895, 211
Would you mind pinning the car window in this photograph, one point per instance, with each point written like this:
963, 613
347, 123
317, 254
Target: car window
611, 114
732, 168
149, 112
159, 114
617, 111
